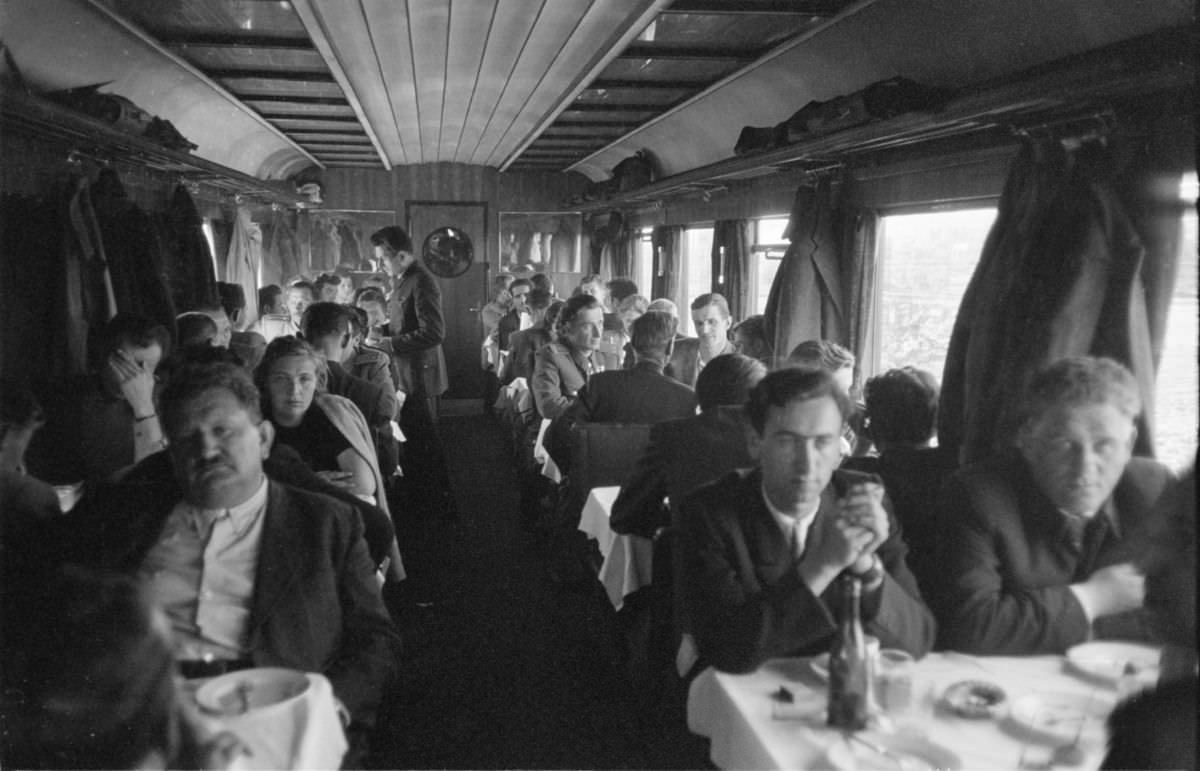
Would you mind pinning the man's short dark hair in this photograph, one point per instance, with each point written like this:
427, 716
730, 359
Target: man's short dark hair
542, 281
303, 286
194, 379
780, 388
394, 237
1083, 380
538, 300
358, 319
825, 354
620, 288
727, 379
137, 331
268, 295
195, 328
712, 298
651, 333
754, 327
233, 298
902, 405
326, 279
324, 319
573, 307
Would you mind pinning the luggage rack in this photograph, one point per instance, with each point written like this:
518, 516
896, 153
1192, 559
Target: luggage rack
86, 137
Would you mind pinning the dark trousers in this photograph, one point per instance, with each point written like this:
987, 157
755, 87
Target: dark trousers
426, 477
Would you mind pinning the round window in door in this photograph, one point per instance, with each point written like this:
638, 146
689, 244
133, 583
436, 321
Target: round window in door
448, 252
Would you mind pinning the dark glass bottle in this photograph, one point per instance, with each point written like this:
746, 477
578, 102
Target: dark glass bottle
849, 669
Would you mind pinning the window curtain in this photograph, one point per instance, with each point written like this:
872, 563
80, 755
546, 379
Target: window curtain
1059, 276
731, 265
806, 300
245, 257
667, 245
622, 247
864, 342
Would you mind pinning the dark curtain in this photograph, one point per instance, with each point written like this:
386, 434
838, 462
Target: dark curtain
190, 275
731, 261
806, 300
667, 244
862, 237
1059, 276
624, 244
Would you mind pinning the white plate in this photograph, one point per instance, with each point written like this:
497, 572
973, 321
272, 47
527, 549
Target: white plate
819, 664
897, 751
1057, 717
251, 689
1105, 660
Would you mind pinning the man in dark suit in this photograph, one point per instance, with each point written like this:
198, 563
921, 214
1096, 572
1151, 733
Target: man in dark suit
249, 571
518, 316
639, 395
688, 452
1041, 544
762, 549
711, 317
417, 330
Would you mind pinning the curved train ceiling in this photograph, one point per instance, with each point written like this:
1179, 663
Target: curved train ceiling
269, 87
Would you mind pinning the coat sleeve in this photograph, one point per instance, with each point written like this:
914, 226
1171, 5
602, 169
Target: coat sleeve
980, 610
558, 435
895, 612
737, 629
367, 655
639, 508
431, 325
547, 385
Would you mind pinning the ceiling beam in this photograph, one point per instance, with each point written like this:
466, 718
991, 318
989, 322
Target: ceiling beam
306, 76
297, 99
758, 7
307, 118
612, 107
670, 85
186, 39
667, 51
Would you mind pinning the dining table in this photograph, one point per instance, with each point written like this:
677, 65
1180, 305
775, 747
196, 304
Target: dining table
774, 717
628, 559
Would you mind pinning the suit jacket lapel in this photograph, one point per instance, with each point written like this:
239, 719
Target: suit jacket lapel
769, 550
275, 574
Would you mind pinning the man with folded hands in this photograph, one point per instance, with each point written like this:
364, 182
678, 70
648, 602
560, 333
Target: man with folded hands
762, 549
250, 572
1040, 544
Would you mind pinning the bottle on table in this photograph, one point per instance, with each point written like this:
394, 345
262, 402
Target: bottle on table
849, 664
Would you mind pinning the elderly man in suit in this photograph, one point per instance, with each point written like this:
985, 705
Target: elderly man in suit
642, 394
1040, 545
250, 572
762, 548
417, 329
710, 315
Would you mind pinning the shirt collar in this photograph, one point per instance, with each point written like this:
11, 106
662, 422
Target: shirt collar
1108, 511
243, 515
787, 521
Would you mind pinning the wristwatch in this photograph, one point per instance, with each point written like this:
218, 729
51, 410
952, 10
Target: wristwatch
872, 575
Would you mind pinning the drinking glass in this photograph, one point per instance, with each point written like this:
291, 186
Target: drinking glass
894, 687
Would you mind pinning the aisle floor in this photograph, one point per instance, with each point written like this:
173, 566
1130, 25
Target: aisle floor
503, 668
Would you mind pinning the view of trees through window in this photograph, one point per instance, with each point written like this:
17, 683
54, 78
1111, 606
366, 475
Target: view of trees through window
925, 261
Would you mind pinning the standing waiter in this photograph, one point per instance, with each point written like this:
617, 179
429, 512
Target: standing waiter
417, 328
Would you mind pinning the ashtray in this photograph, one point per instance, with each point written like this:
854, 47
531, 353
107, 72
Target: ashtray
976, 699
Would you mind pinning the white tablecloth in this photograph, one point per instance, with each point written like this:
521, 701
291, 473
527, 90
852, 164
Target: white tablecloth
627, 558
737, 713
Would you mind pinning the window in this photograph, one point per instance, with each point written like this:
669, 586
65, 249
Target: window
643, 264
924, 264
1177, 383
697, 267
768, 251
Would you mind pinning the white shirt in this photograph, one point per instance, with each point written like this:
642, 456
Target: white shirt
201, 572
794, 527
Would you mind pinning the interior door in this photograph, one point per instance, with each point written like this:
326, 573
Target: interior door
463, 295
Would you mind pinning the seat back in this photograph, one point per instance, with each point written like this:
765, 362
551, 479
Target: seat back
605, 454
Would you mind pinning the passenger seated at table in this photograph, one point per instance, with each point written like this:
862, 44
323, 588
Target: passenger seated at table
762, 547
327, 430
250, 572
99, 424
561, 368
1041, 544
687, 452
712, 319
640, 395
901, 421
750, 339
195, 329
839, 362
524, 343
90, 681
